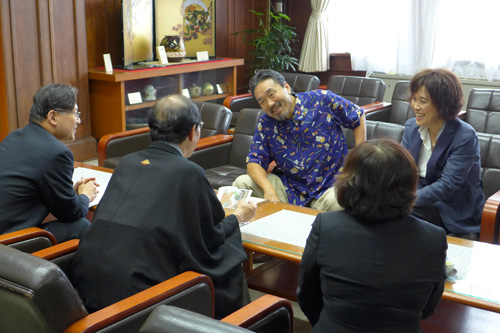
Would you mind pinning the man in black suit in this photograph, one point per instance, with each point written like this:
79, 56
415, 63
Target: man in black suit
160, 217
36, 169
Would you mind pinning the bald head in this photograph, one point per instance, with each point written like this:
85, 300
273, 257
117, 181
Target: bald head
172, 118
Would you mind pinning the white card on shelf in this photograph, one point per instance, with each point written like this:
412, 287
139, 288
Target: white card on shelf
107, 63
162, 55
202, 55
134, 98
221, 88
185, 93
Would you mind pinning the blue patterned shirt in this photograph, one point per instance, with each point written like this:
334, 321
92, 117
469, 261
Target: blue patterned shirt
310, 147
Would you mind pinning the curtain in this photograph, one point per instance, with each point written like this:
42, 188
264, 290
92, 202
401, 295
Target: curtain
466, 38
315, 53
402, 37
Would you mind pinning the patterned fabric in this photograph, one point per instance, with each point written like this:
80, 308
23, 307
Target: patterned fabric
310, 147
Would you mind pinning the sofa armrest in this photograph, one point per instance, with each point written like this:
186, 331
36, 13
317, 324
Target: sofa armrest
58, 250
26, 234
140, 301
102, 153
214, 140
259, 310
378, 111
375, 107
212, 152
462, 114
490, 219
231, 102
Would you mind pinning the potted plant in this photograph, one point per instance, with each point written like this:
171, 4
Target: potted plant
272, 42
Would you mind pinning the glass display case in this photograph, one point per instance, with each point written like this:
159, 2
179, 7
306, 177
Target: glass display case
120, 100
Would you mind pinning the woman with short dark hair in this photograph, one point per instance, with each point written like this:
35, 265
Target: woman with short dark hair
373, 267
446, 151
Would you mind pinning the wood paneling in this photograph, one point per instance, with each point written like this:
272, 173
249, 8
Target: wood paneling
234, 16
299, 12
44, 42
104, 31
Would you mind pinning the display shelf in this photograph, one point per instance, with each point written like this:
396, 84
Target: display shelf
109, 92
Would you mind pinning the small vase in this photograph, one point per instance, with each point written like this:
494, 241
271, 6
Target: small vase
207, 89
194, 91
174, 47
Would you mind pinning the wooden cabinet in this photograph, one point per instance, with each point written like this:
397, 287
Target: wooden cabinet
111, 109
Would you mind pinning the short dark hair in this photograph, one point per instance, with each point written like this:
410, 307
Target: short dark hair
58, 97
378, 181
172, 118
264, 74
444, 88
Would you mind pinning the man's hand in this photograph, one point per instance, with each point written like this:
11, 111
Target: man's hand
259, 176
245, 211
87, 186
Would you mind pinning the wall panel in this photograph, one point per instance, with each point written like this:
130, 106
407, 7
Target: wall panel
44, 42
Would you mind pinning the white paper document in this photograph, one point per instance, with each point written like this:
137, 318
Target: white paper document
102, 178
284, 226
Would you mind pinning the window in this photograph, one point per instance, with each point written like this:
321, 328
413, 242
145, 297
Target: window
404, 36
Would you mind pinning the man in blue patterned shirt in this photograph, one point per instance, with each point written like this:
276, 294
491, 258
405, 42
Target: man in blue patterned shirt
302, 134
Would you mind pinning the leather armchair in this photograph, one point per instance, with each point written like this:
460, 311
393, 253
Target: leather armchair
28, 240
36, 296
113, 147
490, 174
483, 110
299, 82
223, 163
266, 314
376, 130
357, 89
399, 110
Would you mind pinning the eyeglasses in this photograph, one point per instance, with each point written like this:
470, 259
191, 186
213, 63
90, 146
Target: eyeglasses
200, 125
76, 114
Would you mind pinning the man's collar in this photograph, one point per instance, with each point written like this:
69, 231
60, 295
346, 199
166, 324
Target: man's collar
298, 111
173, 145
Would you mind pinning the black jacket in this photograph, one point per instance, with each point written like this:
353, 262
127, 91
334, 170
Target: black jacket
158, 218
358, 276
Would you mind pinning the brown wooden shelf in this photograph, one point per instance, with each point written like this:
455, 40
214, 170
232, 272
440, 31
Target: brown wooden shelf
127, 75
108, 92
210, 97
140, 106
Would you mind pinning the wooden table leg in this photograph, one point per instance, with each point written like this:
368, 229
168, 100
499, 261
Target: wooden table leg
248, 264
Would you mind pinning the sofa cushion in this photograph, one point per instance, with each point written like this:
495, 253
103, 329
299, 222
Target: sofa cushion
224, 175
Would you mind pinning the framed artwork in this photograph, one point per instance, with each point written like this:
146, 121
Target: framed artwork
137, 31
193, 20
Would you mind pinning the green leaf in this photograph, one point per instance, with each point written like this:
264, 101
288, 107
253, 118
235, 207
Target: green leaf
271, 43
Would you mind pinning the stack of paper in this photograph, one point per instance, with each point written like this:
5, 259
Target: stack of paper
102, 178
284, 226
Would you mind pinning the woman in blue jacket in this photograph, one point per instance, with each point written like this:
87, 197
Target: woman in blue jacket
446, 150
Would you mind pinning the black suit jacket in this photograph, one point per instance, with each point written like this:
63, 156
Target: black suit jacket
159, 217
36, 173
369, 276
